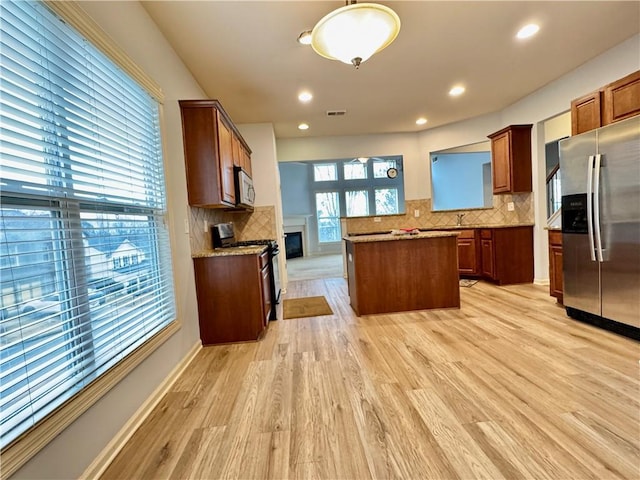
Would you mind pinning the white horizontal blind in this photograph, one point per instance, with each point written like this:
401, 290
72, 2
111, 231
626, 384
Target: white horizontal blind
85, 260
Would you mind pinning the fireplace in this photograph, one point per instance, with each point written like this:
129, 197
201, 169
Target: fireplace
293, 245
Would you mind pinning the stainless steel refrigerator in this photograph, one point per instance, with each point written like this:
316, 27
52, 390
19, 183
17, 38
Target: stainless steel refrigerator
601, 226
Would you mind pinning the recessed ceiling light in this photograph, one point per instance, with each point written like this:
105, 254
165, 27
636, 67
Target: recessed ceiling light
305, 37
455, 91
305, 97
303, 126
528, 31
421, 121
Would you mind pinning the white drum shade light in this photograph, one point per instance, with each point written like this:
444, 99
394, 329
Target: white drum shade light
355, 32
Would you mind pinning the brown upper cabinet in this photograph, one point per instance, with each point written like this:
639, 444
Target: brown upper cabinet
586, 113
212, 147
511, 159
614, 102
241, 155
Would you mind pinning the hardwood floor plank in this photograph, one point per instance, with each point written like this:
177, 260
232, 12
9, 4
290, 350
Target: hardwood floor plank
618, 454
466, 457
417, 452
196, 461
513, 461
507, 386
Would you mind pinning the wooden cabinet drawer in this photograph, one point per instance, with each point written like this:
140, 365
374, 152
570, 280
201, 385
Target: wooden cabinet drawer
467, 234
486, 234
264, 259
555, 237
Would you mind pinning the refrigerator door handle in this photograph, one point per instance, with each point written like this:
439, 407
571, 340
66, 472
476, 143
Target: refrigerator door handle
590, 207
596, 208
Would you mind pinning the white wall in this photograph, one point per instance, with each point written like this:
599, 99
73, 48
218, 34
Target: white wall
74, 449
264, 165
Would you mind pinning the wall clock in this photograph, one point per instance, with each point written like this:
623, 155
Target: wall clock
392, 172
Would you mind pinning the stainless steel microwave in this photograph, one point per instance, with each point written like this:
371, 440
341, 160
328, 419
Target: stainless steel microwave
245, 194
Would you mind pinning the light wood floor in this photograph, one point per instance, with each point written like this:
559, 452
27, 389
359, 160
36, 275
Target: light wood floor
315, 267
506, 387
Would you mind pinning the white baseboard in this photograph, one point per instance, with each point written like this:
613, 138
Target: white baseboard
541, 281
104, 459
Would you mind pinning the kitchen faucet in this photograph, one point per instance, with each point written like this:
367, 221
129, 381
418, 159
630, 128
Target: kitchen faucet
459, 219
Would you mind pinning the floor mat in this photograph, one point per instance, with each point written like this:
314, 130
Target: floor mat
467, 283
305, 307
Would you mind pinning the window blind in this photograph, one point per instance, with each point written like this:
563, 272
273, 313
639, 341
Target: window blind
85, 260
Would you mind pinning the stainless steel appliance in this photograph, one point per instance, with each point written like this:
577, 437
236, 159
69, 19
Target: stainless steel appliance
223, 236
245, 193
601, 226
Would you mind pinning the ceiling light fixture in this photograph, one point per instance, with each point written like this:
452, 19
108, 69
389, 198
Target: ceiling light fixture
363, 159
457, 90
528, 31
421, 121
305, 97
303, 126
353, 33
305, 37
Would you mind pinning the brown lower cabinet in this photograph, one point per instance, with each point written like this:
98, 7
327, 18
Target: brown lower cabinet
555, 265
503, 255
233, 297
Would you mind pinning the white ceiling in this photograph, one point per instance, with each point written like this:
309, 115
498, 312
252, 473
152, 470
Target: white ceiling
245, 54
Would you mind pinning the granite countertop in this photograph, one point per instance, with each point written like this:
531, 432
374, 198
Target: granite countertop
229, 251
551, 227
384, 237
476, 225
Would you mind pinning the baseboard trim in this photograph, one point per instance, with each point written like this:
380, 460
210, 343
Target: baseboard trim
541, 281
104, 459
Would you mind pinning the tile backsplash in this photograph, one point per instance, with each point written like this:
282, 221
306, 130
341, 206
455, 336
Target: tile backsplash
498, 215
259, 224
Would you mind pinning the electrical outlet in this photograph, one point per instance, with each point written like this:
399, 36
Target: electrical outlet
186, 225
416, 213
511, 207
206, 226
377, 219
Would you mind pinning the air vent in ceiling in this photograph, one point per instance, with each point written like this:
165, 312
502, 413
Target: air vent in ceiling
336, 113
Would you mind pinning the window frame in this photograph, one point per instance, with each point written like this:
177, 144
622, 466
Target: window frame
318, 218
19, 451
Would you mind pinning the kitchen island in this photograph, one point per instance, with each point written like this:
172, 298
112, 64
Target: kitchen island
396, 273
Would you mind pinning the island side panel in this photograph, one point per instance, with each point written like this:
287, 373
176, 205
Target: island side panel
403, 275
514, 255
